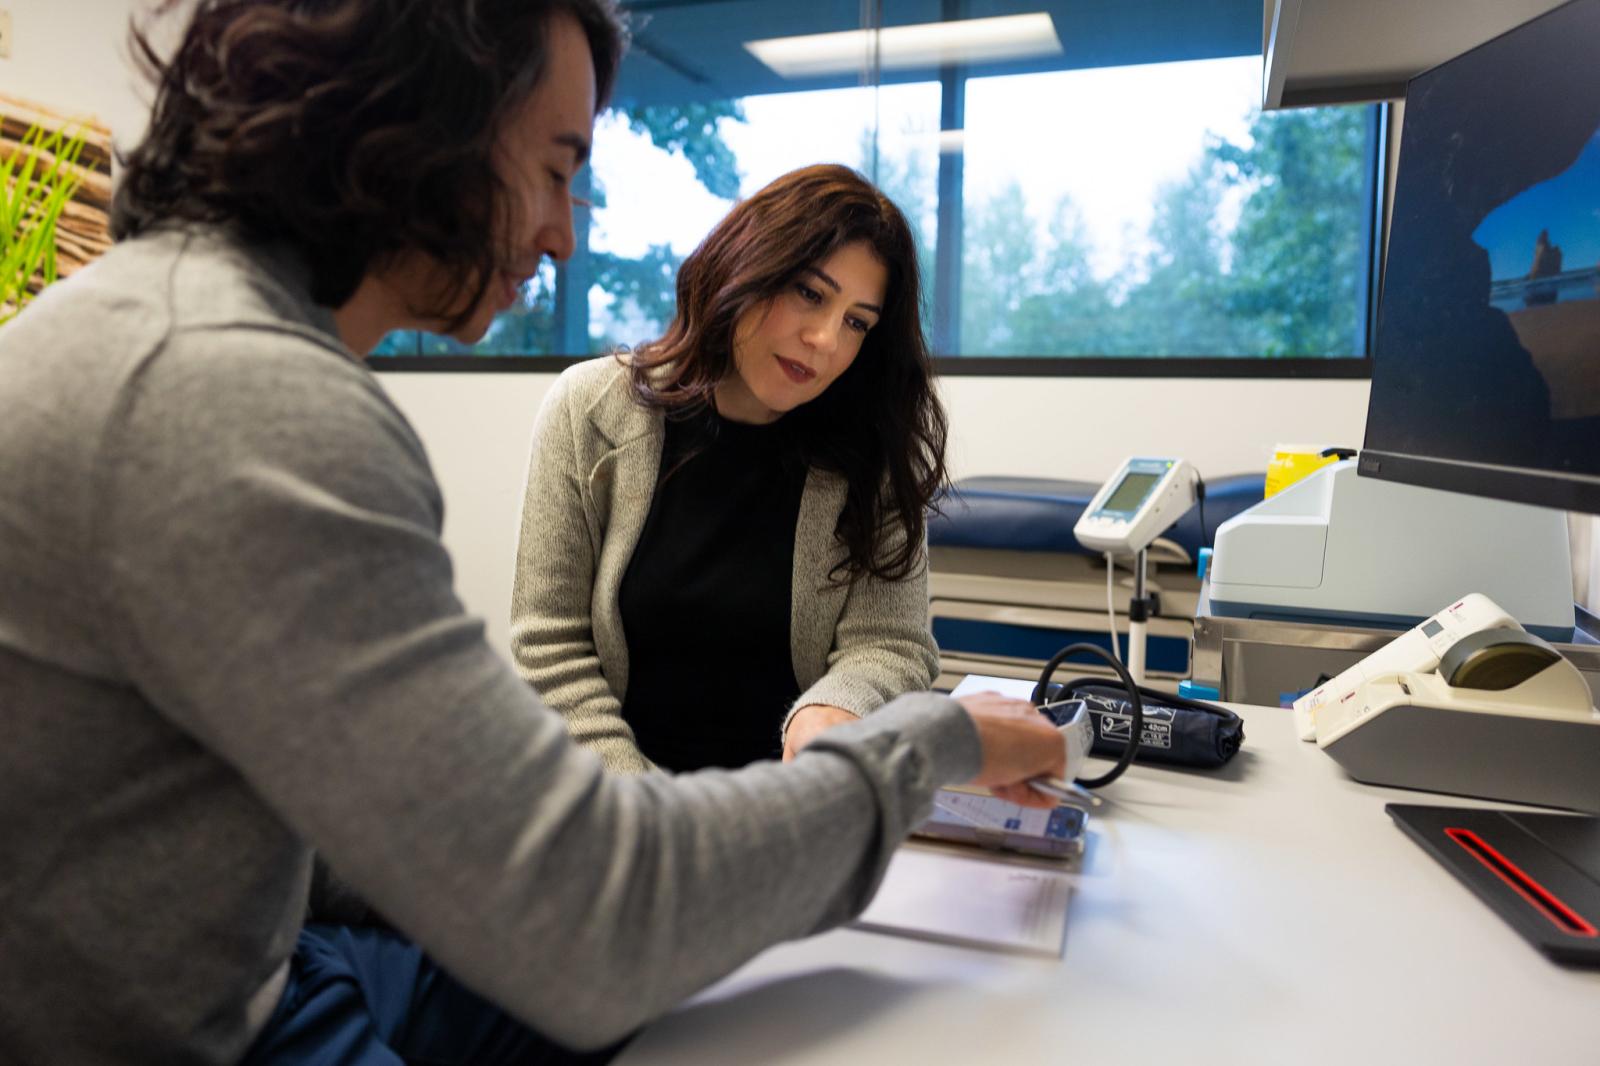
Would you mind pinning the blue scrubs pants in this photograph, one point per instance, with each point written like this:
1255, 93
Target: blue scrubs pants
359, 996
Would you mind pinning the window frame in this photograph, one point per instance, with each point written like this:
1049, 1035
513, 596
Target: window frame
1065, 366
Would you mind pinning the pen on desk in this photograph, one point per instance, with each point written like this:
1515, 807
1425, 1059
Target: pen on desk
1067, 791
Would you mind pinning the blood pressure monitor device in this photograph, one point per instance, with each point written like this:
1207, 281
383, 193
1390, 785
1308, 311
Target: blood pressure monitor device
1137, 504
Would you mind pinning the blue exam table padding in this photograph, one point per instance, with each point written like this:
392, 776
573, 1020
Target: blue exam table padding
1037, 514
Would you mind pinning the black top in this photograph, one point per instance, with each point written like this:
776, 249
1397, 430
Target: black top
706, 597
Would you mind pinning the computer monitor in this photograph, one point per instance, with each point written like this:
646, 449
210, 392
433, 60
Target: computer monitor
1486, 368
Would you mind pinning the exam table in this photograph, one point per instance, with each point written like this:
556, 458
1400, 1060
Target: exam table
1010, 585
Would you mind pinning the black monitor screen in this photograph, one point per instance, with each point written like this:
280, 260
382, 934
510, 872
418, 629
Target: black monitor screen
1486, 371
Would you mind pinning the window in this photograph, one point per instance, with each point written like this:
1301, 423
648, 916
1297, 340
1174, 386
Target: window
1108, 198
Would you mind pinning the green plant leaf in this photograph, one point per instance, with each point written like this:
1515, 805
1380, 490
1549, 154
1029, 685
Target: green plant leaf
36, 182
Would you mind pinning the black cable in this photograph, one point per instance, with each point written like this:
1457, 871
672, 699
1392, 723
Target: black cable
1041, 696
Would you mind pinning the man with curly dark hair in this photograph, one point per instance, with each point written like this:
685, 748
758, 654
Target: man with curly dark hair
228, 633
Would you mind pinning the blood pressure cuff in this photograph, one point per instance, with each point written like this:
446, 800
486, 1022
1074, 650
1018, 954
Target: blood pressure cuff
1178, 731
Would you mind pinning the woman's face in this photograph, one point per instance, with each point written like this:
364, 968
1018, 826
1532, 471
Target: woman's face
789, 349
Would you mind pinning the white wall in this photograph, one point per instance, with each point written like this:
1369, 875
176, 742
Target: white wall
72, 56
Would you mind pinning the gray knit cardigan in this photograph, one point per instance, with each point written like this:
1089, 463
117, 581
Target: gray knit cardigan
596, 452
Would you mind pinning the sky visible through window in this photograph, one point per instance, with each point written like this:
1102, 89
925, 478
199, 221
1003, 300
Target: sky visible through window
1108, 139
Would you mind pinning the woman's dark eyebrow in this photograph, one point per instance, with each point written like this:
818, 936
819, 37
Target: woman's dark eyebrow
836, 287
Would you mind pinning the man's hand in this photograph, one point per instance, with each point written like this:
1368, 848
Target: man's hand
807, 722
1018, 743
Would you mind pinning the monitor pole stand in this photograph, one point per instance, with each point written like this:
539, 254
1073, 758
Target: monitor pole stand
1138, 620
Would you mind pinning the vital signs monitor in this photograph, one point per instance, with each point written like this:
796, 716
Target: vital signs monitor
1137, 504
1133, 508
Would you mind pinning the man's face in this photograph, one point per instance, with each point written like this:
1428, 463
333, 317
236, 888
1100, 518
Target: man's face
542, 145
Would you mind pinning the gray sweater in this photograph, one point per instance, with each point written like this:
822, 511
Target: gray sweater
591, 480
228, 635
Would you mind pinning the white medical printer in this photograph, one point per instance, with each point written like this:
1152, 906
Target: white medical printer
1345, 550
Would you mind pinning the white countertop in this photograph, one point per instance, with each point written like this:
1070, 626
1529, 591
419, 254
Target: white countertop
1268, 912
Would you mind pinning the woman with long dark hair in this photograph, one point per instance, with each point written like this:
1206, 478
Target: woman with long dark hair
722, 540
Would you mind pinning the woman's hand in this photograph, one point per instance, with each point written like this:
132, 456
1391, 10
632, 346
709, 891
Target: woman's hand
1018, 743
807, 722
